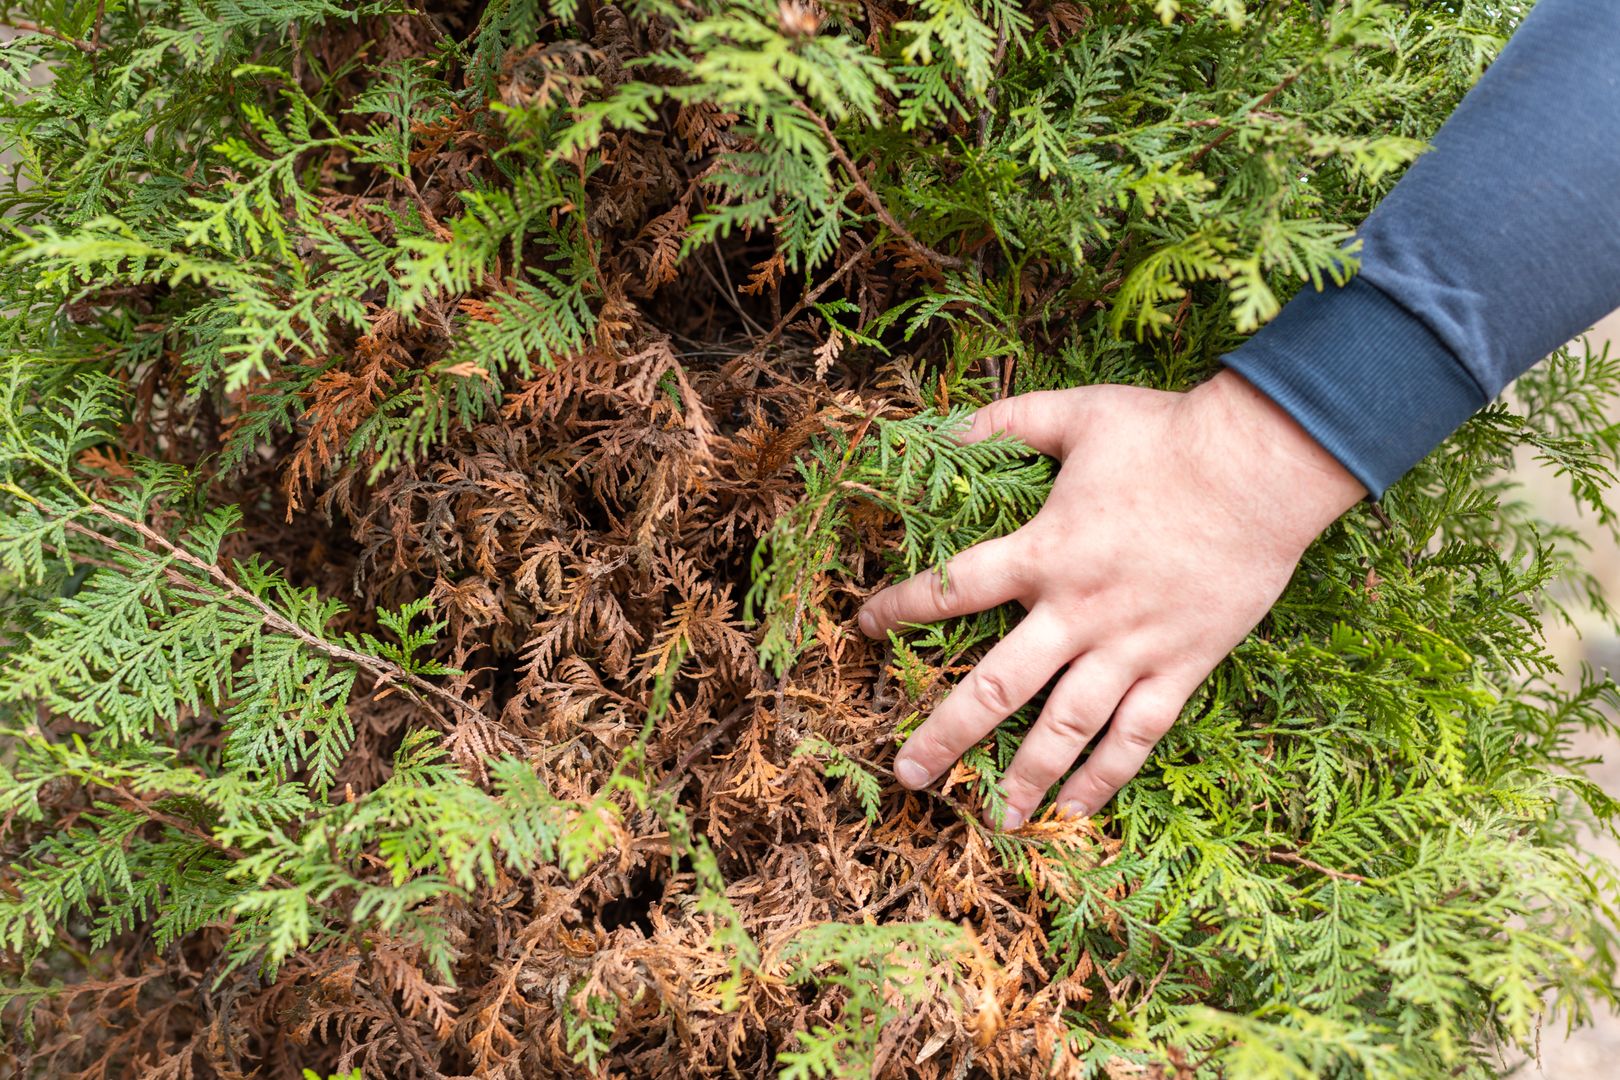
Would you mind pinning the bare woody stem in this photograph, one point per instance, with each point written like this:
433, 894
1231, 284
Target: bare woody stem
146, 809
30, 27
917, 247
1293, 859
1226, 132
815, 294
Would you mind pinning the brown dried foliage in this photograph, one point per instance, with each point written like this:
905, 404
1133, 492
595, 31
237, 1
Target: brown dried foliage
572, 541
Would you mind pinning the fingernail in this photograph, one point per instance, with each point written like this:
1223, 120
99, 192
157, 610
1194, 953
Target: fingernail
868, 622
1011, 820
1072, 809
910, 773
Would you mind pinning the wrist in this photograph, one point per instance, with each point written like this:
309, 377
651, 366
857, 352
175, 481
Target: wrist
1255, 447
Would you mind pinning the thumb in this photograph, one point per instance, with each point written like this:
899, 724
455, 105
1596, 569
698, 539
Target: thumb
1044, 420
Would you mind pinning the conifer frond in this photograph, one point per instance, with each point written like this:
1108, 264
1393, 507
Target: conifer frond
390, 401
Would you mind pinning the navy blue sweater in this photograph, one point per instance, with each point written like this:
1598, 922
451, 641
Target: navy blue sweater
1496, 247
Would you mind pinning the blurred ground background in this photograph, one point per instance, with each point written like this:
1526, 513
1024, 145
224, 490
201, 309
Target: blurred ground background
1591, 1053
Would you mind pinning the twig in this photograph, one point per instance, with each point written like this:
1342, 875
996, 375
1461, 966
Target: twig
1206, 1059
430, 218
384, 998
1147, 991
297, 65
30, 27
407, 1035
1113, 988
678, 774
86, 560
814, 294
912, 884
1311, 864
918, 248
382, 669
755, 352
728, 291
1226, 132
190, 828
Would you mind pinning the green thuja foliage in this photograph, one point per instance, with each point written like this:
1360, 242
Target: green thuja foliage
882, 969
139, 636
946, 495
258, 252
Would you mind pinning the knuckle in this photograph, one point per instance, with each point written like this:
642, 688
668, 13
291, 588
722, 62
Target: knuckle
1109, 785
1022, 568
1008, 576
989, 420
1111, 776
1046, 544
906, 602
1017, 414
1021, 789
991, 690
1091, 788
1072, 725
1144, 734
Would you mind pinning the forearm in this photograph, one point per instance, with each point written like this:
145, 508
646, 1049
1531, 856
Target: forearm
1496, 247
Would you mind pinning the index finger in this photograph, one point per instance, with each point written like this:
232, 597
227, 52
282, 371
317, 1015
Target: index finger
1042, 420
981, 577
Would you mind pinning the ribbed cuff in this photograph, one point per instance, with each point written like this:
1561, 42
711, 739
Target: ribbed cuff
1363, 376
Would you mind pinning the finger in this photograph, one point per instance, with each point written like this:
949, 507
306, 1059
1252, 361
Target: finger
981, 577
1148, 710
1080, 704
1010, 674
1043, 420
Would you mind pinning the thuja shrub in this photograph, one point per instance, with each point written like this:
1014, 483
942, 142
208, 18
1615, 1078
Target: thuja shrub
441, 452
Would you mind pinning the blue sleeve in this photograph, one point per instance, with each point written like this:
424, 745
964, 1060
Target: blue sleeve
1496, 247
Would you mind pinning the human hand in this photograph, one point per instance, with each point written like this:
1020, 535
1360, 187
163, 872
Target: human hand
1174, 524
